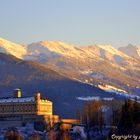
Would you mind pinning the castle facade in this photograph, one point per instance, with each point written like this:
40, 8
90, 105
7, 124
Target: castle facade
20, 109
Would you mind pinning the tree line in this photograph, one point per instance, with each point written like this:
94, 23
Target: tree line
124, 116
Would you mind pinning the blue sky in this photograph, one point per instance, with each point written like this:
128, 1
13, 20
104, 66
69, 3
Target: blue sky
81, 22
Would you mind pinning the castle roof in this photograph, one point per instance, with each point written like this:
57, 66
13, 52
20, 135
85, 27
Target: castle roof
16, 100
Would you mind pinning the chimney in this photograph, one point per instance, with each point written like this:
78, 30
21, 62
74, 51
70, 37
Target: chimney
17, 93
37, 97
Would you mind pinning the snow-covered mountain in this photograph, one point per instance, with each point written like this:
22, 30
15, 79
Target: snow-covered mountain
89, 64
9, 47
52, 50
100, 63
131, 50
108, 53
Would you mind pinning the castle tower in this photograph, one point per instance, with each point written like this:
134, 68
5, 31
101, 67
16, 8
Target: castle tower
38, 98
17, 93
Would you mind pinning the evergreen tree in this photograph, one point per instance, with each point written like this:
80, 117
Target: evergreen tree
101, 120
115, 117
136, 114
126, 121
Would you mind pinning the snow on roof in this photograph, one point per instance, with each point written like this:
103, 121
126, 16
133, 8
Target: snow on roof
45, 100
16, 100
17, 89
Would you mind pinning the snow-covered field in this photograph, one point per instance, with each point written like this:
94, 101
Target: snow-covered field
109, 89
120, 92
97, 98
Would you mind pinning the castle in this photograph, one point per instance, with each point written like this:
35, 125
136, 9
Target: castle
18, 109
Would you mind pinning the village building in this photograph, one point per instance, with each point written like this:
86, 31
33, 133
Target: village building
18, 110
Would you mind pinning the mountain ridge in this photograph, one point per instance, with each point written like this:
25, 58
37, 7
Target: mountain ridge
91, 64
131, 50
52, 45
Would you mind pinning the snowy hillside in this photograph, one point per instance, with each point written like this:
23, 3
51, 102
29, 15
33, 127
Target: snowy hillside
108, 53
11, 48
51, 50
